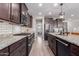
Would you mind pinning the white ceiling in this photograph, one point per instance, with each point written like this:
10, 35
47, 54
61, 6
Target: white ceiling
68, 8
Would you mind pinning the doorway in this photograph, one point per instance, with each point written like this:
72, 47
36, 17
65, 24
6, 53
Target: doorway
39, 26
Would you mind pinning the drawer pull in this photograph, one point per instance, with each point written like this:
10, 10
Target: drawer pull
62, 42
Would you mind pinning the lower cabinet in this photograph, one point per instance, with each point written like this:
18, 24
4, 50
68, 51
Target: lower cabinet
45, 36
4, 52
74, 50
52, 43
18, 48
63, 48
30, 42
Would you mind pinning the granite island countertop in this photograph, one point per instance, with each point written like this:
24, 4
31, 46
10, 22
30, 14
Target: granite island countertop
74, 39
5, 42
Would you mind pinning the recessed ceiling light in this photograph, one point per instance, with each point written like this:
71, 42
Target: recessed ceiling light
50, 13
40, 13
55, 4
72, 15
40, 4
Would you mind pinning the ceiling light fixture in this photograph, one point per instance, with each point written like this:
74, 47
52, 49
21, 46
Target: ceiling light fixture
40, 4
61, 14
55, 4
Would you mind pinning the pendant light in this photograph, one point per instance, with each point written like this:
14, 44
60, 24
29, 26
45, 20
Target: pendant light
61, 14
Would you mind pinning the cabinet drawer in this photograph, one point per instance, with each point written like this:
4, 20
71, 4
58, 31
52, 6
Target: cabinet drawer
16, 45
74, 49
4, 52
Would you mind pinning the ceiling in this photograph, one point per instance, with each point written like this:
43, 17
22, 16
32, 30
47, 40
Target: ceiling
71, 10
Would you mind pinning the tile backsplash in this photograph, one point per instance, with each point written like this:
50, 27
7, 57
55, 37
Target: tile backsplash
7, 28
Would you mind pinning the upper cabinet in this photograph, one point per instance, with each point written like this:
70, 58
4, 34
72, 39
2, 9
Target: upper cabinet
15, 12
24, 9
5, 11
24, 14
26, 18
30, 21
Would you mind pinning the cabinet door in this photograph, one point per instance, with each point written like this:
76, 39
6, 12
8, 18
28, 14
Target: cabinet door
15, 12
52, 43
20, 51
24, 9
24, 15
18, 48
31, 21
5, 11
4, 52
74, 50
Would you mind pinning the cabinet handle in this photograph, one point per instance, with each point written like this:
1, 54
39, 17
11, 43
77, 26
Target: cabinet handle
62, 42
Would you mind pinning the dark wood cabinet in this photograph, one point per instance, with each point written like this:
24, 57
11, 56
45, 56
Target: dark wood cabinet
30, 42
24, 9
52, 43
26, 18
24, 14
58, 46
30, 21
5, 11
74, 50
63, 47
15, 12
4, 52
10, 12
18, 48
20, 51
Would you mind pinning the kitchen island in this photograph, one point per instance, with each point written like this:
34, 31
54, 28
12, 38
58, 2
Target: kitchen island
64, 45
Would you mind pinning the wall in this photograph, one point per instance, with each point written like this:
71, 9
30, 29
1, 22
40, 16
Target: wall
73, 26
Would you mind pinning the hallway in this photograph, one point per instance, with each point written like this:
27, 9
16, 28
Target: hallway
40, 48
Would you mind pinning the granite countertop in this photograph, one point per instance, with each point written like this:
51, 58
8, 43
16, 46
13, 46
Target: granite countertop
74, 39
5, 42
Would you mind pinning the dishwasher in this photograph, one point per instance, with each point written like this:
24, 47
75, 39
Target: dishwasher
62, 48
